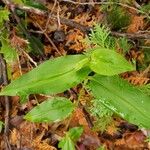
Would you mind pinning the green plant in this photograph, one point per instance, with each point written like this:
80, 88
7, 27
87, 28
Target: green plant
122, 98
103, 115
100, 36
59, 74
55, 109
67, 142
4, 15
9, 53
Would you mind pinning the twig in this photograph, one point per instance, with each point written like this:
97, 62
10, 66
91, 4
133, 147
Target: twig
51, 42
74, 24
30, 59
87, 116
132, 36
108, 3
5, 82
58, 16
49, 16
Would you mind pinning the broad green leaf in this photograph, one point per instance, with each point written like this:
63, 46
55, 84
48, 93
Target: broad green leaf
9, 53
108, 62
67, 143
55, 109
122, 98
51, 77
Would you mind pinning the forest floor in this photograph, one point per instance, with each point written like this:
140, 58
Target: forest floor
60, 33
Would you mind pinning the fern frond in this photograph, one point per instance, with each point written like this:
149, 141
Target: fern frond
100, 36
103, 115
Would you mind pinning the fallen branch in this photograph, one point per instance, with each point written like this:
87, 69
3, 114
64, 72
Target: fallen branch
110, 3
132, 35
72, 23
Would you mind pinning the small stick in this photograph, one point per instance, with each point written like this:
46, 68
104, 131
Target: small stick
5, 82
109, 3
51, 42
132, 36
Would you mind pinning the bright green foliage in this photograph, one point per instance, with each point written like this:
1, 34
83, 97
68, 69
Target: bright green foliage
55, 109
107, 62
51, 77
59, 74
4, 15
103, 115
67, 143
8, 51
1, 126
122, 98
100, 36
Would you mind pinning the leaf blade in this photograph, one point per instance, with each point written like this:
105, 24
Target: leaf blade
51, 77
50, 110
108, 62
122, 98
